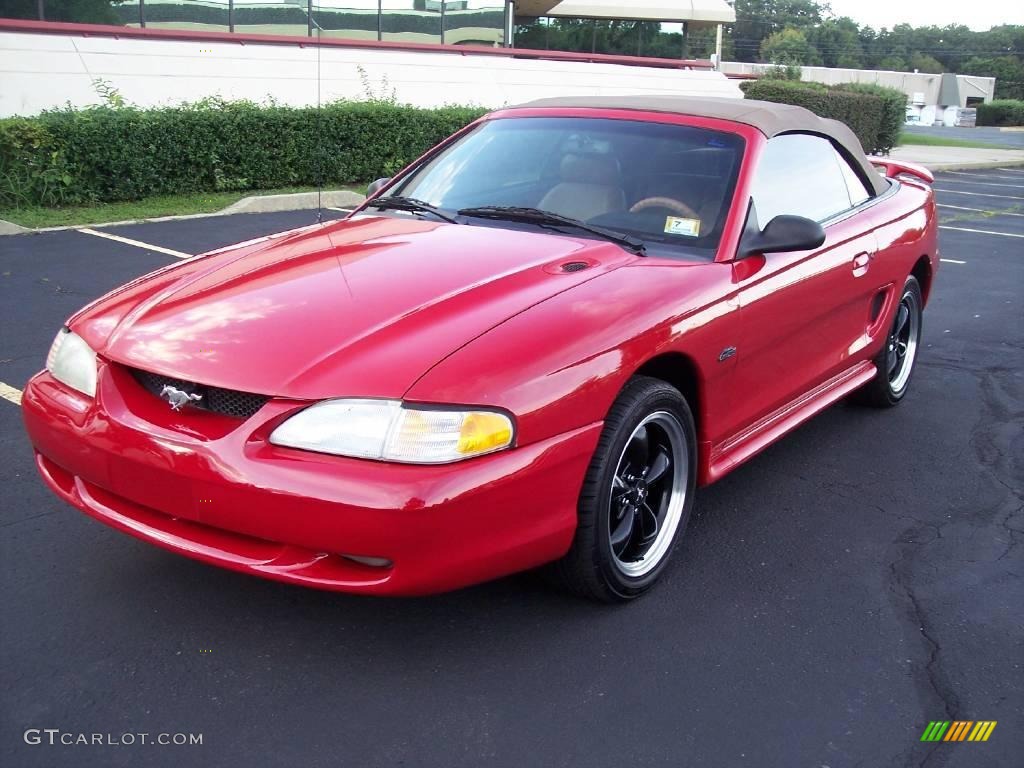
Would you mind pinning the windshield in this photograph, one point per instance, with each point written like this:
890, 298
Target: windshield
668, 185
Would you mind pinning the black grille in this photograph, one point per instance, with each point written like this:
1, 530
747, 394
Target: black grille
574, 266
226, 402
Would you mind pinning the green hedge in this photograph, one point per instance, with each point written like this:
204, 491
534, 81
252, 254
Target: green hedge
1001, 112
894, 112
873, 113
101, 154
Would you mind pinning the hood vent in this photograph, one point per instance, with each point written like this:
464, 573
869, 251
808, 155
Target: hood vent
574, 266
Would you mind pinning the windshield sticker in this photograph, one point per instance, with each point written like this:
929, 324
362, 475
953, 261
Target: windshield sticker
686, 227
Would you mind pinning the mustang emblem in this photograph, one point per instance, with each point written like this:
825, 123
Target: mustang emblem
177, 398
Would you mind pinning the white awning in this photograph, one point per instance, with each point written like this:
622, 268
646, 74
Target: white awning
708, 11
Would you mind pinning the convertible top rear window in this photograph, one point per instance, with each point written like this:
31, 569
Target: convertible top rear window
669, 185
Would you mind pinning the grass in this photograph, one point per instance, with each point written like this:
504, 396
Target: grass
147, 208
919, 139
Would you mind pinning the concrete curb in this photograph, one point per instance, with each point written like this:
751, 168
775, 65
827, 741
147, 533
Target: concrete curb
10, 228
300, 201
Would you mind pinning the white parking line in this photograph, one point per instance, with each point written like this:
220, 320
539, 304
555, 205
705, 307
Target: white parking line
981, 231
10, 393
953, 261
339, 210
982, 175
983, 183
137, 243
977, 194
1011, 170
977, 210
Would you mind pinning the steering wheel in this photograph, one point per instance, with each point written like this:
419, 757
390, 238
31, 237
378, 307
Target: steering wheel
676, 206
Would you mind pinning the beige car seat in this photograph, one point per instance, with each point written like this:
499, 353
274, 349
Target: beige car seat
590, 185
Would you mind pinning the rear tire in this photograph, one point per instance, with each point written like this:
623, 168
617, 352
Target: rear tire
636, 497
895, 362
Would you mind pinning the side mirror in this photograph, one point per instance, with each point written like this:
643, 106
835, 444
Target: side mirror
376, 186
783, 233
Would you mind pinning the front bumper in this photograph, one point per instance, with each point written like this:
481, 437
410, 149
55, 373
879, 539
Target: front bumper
215, 490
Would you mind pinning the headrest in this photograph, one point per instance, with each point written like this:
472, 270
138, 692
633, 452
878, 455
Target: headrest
591, 169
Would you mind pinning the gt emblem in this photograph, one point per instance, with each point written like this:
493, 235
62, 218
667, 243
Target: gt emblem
177, 398
726, 354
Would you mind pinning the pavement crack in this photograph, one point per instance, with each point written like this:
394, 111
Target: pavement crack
27, 519
943, 691
938, 686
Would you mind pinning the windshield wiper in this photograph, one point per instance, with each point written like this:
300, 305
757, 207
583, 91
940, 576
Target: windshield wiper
537, 216
411, 204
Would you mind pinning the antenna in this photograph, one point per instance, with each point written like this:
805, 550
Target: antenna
319, 133
319, 116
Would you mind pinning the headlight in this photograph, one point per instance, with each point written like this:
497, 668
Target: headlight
72, 362
388, 430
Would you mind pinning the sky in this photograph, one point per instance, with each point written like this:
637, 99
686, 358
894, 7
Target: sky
976, 14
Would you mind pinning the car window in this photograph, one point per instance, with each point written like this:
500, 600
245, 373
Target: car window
802, 175
670, 185
514, 162
854, 184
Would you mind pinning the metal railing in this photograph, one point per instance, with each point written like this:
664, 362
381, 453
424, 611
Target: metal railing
479, 22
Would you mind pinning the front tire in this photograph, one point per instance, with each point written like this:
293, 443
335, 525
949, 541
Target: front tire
636, 497
895, 362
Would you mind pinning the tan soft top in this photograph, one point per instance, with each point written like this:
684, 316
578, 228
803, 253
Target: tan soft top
768, 117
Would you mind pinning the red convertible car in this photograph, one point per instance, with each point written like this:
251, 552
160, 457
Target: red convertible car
527, 349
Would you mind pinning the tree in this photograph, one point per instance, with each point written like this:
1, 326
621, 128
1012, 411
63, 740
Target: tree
922, 62
756, 20
893, 63
789, 47
838, 42
1007, 70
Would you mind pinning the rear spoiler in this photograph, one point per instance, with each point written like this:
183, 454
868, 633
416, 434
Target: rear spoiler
894, 168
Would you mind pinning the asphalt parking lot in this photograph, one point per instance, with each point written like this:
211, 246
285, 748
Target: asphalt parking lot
834, 595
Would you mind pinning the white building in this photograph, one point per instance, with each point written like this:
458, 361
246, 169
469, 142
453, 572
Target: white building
931, 98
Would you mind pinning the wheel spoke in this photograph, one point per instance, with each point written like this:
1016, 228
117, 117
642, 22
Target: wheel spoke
638, 450
648, 522
901, 319
659, 466
623, 533
891, 359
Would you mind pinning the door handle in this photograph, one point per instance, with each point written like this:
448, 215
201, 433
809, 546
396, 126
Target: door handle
861, 262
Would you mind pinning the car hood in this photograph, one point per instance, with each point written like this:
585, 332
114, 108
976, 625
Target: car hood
360, 307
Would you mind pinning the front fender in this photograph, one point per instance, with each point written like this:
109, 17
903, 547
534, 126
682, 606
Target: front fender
559, 365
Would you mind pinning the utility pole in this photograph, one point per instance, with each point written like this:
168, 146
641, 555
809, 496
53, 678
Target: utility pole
510, 24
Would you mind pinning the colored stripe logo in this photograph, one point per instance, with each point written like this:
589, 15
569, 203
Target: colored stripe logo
958, 730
